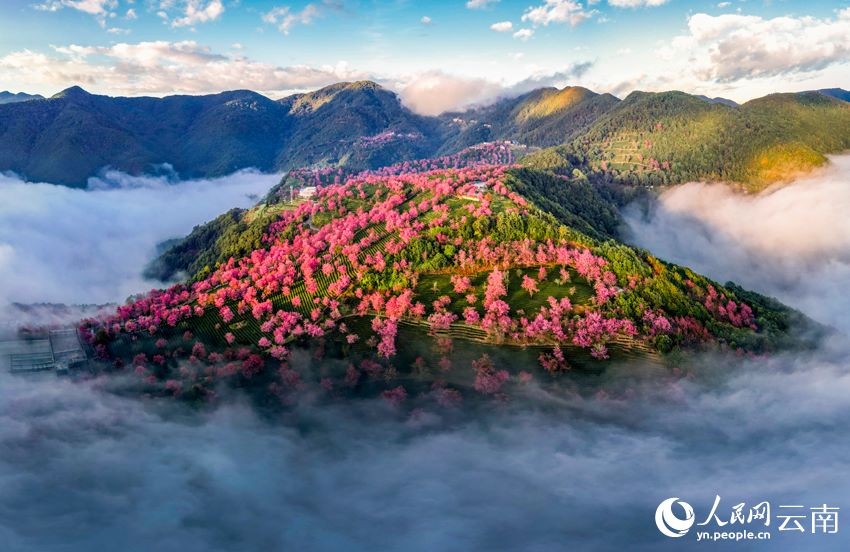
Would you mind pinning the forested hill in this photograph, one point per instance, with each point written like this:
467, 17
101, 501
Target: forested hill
648, 138
386, 270
671, 137
543, 117
73, 135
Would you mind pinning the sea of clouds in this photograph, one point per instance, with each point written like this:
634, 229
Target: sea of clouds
86, 469
90, 246
791, 242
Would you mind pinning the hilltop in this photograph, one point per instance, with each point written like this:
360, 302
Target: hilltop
646, 139
381, 264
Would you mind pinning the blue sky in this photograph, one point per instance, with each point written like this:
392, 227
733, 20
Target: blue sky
437, 55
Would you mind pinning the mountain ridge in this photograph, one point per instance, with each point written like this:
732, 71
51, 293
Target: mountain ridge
11, 97
73, 135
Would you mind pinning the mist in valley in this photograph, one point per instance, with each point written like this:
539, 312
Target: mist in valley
791, 242
64, 245
85, 468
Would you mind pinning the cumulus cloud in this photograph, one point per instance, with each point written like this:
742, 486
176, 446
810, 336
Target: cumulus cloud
425, 20
524, 34
480, 4
558, 11
636, 3
92, 7
66, 245
502, 26
436, 92
162, 67
730, 47
198, 11
285, 18
102, 10
792, 243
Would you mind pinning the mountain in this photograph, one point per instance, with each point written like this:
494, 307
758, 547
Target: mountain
9, 97
837, 93
360, 125
724, 101
543, 117
73, 135
237, 232
647, 139
670, 137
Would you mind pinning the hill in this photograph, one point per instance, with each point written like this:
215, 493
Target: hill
724, 101
9, 97
386, 271
358, 125
670, 137
837, 93
544, 117
647, 139
73, 135
239, 231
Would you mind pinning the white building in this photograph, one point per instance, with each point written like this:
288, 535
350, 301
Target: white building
307, 192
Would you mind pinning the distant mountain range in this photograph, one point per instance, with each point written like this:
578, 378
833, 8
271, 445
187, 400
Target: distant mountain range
724, 101
10, 97
838, 93
646, 138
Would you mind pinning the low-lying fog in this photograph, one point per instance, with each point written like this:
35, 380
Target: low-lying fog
82, 469
66, 245
792, 242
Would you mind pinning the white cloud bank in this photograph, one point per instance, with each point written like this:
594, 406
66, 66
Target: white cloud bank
66, 245
480, 4
160, 68
792, 243
84, 470
731, 47
636, 3
436, 92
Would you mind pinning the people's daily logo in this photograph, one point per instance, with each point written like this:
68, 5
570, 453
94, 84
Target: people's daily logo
742, 521
671, 524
